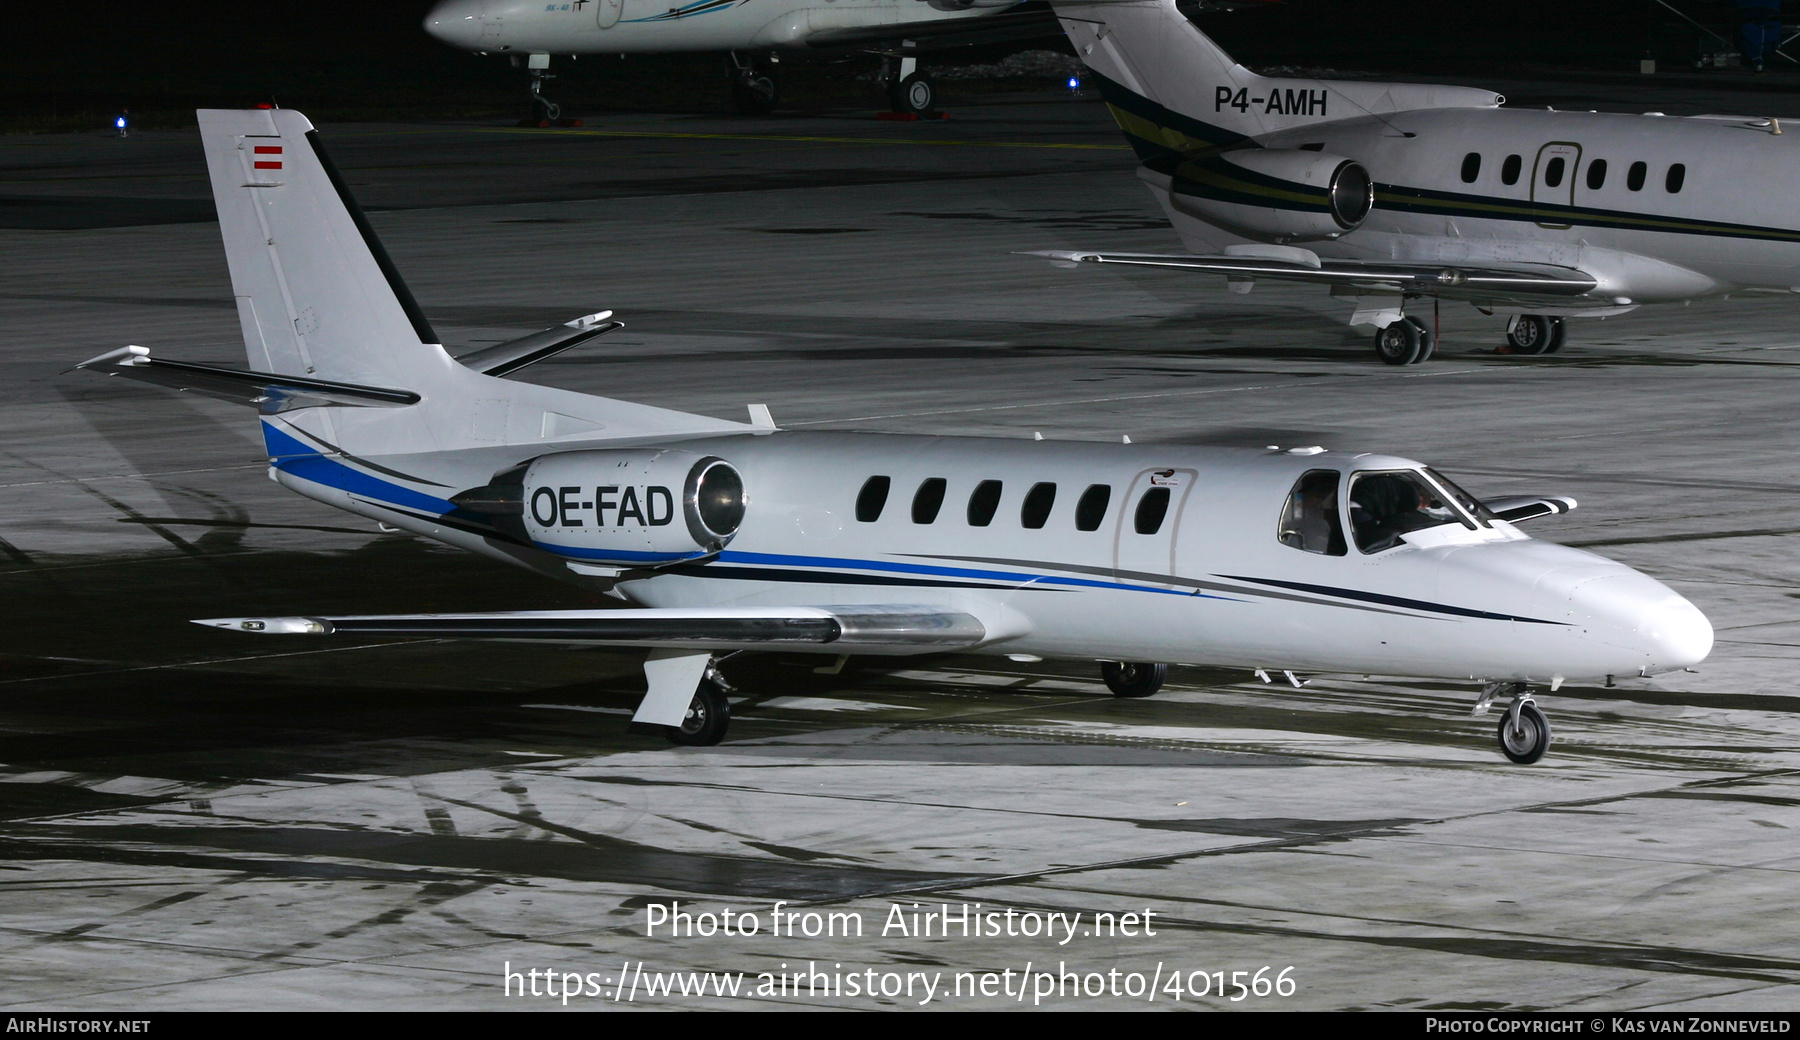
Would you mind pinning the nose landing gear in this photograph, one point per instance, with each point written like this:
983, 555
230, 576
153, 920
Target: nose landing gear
1524, 731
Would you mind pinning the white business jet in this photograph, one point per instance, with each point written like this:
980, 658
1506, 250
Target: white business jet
729, 536
749, 30
1393, 192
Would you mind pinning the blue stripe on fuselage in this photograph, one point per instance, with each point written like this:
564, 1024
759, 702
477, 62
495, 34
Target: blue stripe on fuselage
290, 455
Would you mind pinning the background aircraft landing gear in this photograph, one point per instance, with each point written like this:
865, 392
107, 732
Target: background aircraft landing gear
1524, 732
1405, 342
754, 91
708, 717
1133, 678
1534, 334
912, 92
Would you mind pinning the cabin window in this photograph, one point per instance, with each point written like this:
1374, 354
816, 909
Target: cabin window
1384, 506
1310, 522
1090, 508
982, 503
1634, 177
1035, 511
1677, 174
1553, 171
1596, 174
871, 498
1471, 167
1509, 170
1150, 511
928, 500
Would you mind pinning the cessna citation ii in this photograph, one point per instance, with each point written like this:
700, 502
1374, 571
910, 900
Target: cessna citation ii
897, 28
729, 536
1392, 192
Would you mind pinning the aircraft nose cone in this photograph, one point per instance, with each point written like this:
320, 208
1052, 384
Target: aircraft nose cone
456, 22
1631, 609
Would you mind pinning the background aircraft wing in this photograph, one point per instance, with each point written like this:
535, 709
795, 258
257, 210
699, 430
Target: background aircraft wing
942, 34
847, 629
1491, 282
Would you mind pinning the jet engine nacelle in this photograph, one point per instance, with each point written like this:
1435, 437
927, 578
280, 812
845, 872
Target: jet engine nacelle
1275, 194
639, 507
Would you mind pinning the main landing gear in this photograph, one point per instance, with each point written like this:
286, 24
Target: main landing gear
1407, 341
1524, 732
708, 714
754, 91
1534, 334
1133, 678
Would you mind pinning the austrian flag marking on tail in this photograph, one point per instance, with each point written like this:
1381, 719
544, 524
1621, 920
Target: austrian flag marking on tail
267, 156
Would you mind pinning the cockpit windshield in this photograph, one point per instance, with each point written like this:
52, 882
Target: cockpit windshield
1470, 503
1384, 506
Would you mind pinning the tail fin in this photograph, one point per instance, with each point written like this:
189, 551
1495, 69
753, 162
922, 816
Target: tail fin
318, 297
316, 292
1173, 90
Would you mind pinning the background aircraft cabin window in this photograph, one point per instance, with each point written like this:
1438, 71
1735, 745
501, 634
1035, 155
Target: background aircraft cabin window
1634, 177
871, 498
1553, 171
982, 503
1471, 167
1596, 174
1036, 509
928, 500
1384, 506
1150, 511
1310, 521
1509, 170
1090, 509
1677, 174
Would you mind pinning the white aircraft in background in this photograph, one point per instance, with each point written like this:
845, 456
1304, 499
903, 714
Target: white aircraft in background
1402, 191
732, 536
746, 28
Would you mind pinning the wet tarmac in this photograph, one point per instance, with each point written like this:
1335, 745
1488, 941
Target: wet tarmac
192, 820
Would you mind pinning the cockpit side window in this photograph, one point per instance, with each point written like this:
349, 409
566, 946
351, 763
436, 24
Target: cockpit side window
1310, 521
1384, 506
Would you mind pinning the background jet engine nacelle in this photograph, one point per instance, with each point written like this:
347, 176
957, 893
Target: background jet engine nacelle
637, 507
1276, 194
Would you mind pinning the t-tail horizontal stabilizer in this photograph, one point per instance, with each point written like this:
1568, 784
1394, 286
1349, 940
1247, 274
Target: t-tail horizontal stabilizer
507, 358
265, 391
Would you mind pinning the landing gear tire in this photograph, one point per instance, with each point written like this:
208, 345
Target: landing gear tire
1526, 742
1401, 342
544, 110
1534, 334
754, 92
916, 94
1133, 678
708, 717
1427, 340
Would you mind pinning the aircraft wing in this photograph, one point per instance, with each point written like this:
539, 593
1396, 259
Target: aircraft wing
942, 34
891, 630
1451, 281
1519, 508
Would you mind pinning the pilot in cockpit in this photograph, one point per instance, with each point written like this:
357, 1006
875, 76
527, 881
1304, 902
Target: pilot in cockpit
1384, 506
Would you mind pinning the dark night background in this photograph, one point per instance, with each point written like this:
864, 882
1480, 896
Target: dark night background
72, 66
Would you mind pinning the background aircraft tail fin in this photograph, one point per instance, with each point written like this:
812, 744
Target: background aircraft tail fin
1173, 90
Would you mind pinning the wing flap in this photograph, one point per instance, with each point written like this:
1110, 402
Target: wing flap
264, 391
1447, 280
853, 629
